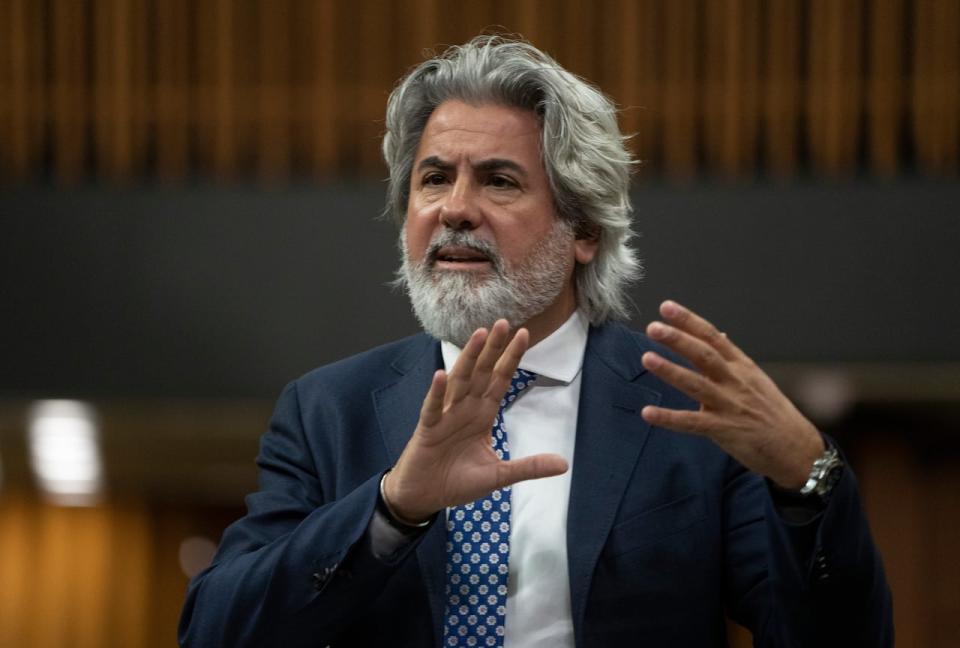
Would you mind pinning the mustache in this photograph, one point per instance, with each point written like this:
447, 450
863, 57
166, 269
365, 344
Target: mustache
454, 238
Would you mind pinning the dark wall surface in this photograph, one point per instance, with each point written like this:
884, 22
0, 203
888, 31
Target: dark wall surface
233, 292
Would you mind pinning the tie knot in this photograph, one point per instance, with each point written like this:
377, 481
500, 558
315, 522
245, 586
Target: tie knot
521, 380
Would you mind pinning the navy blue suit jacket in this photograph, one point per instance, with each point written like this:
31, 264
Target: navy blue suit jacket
666, 533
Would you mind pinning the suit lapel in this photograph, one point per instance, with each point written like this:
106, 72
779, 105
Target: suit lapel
398, 411
610, 439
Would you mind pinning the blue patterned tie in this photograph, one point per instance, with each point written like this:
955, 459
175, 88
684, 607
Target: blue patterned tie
478, 552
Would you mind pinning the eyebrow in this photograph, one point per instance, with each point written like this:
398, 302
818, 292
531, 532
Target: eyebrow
492, 164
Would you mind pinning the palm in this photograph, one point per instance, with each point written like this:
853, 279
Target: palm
449, 459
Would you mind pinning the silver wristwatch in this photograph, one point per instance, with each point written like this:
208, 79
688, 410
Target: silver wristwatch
824, 473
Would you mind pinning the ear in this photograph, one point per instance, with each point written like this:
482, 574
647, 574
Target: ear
584, 249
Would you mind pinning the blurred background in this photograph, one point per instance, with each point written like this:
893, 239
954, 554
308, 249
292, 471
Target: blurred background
189, 192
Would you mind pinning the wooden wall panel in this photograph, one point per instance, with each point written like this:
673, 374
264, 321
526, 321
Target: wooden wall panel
110, 576
98, 577
133, 90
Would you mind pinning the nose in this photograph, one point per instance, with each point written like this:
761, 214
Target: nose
459, 210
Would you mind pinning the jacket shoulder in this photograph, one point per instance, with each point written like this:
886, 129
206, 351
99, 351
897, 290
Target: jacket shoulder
380, 365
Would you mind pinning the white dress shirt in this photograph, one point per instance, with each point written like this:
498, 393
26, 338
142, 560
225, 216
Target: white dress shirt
543, 420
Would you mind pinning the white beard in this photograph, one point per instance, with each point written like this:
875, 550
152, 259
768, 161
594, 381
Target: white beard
451, 304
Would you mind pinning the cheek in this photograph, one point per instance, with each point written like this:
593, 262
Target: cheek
415, 237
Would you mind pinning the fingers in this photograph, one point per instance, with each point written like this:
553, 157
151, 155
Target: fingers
704, 356
432, 408
689, 382
679, 420
533, 467
688, 321
462, 372
489, 356
507, 365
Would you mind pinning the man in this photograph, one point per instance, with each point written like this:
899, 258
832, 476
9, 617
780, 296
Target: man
530, 473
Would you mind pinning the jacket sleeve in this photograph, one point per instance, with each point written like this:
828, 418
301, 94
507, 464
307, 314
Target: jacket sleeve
298, 566
822, 581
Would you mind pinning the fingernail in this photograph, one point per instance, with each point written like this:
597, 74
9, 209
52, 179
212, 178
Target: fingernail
652, 360
657, 330
670, 308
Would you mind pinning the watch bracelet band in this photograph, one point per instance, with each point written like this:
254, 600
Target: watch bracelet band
824, 473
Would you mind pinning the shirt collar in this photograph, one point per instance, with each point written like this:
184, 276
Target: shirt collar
559, 356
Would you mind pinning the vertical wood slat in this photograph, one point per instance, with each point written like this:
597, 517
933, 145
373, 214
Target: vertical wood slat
8, 70
577, 20
113, 92
51, 622
318, 99
949, 85
18, 563
121, 93
90, 562
884, 106
781, 88
216, 101
936, 75
140, 116
169, 584
730, 91
17, 146
680, 89
834, 99
472, 18
273, 90
103, 55
171, 93
944, 573
634, 83
131, 550
538, 22
527, 24
921, 96
225, 100
373, 85
893, 499
632, 26
69, 89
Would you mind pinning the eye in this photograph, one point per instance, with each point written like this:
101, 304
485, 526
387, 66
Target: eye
501, 181
434, 179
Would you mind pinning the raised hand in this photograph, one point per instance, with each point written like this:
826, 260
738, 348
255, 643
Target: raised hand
449, 460
741, 408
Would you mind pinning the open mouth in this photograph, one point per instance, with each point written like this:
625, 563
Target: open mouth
459, 257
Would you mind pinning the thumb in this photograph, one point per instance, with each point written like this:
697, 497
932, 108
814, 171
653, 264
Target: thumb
534, 467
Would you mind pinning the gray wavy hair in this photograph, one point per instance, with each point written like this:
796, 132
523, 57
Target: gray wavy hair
584, 154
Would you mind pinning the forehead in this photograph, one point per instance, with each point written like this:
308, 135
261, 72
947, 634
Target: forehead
456, 127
